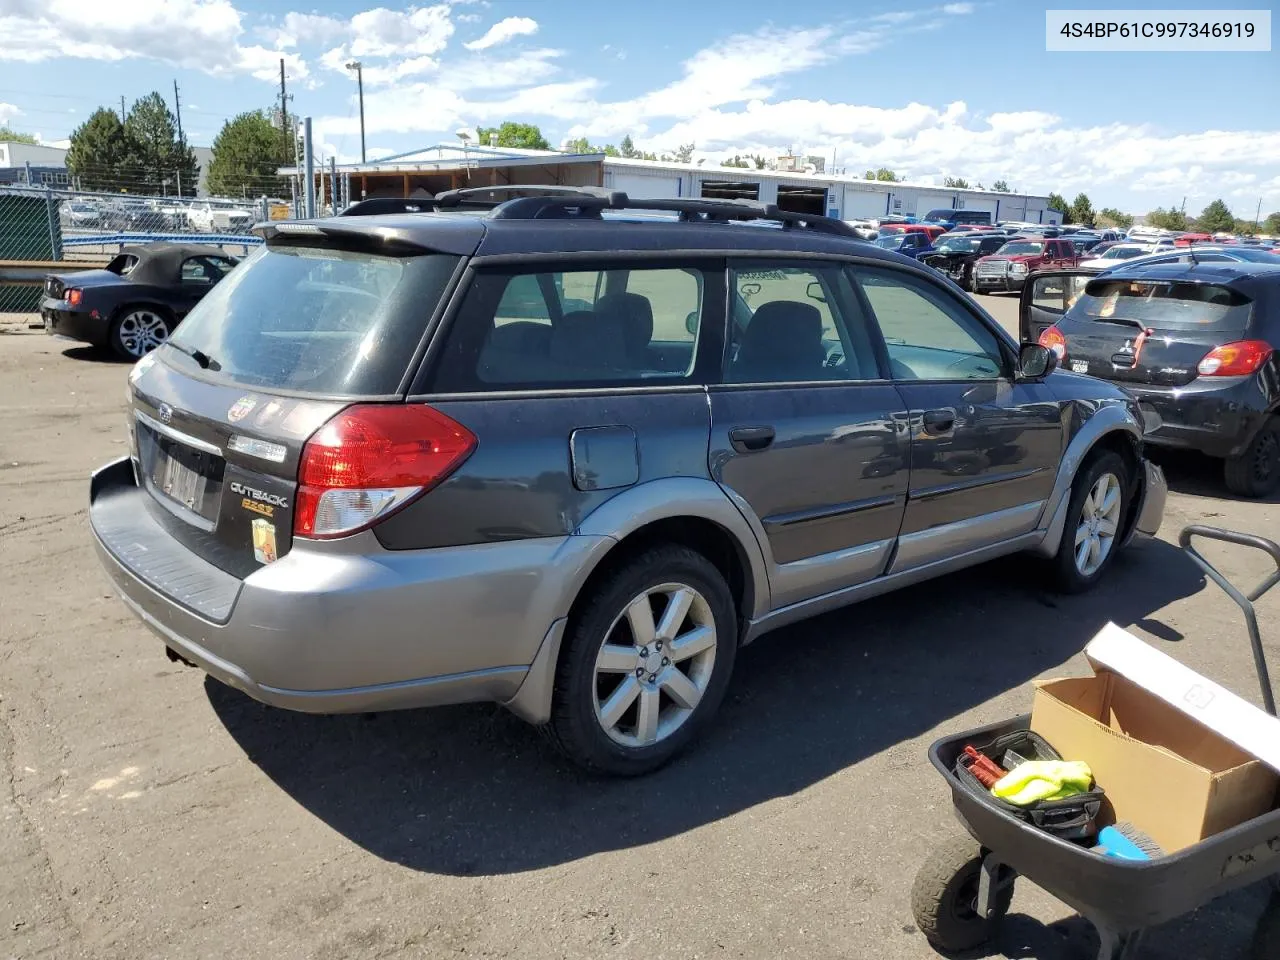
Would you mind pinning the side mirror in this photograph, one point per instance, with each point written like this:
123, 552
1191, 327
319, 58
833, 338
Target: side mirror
1035, 362
691, 323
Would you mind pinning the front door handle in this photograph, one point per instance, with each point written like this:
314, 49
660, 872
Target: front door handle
939, 421
751, 439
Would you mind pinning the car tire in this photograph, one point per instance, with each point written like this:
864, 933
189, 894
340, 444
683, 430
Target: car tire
1256, 472
1087, 548
138, 329
611, 717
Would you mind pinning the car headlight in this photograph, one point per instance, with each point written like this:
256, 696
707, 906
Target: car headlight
1017, 268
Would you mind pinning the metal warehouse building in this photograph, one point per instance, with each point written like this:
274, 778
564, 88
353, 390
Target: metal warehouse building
450, 166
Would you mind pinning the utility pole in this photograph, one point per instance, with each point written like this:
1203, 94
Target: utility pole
177, 109
333, 184
1257, 217
122, 108
284, 110
309, 163
358, 67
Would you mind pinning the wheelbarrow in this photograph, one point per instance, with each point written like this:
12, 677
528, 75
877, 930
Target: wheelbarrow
963, 891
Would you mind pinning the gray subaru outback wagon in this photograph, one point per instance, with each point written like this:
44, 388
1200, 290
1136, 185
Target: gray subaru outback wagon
543, 451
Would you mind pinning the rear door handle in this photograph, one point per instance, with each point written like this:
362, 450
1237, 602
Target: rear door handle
751, 439
939, 421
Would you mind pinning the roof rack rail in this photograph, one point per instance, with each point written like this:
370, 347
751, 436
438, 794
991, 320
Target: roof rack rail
379, 205
547, 202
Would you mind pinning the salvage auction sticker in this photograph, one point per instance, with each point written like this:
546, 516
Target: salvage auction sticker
1138, 31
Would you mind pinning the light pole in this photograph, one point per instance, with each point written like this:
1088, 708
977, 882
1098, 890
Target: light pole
358, 67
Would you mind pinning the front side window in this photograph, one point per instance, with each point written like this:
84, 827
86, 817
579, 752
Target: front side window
521, 330
929, 335
794, 324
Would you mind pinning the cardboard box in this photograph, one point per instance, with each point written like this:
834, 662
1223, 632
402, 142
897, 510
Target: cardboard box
1177, 755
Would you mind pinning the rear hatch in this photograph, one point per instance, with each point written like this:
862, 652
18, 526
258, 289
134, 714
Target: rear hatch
221, 414
1151, 331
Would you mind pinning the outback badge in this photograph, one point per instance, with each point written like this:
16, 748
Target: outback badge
165, 412
264, 541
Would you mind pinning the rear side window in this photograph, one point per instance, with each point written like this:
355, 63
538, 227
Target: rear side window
321, 321
520, 330
1164, 305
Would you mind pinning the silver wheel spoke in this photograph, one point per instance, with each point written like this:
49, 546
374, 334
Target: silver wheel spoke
640, 617
1089, 509
616, 659
1111, 500
693, 643
611, 710
1082, 534
680, 688
647, 722
678, 605
1095, 552
1107, 527
1082, 554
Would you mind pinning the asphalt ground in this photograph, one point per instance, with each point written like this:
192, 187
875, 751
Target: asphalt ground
148, 812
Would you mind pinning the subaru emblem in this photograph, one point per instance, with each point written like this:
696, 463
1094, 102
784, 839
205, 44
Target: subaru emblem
165, 412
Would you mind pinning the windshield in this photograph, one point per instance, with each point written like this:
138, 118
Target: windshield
957, 245
891, 242
939, 215
1164, 304
321, 321
1123, 253
1021, 246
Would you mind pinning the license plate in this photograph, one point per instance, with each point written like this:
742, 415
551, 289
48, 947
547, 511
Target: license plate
1079, 366
179, 482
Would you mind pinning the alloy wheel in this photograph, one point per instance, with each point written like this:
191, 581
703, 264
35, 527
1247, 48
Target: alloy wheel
654, 665
1266, 457
141, 331
1099, 524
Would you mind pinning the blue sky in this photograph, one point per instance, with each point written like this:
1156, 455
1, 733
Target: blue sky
929, 89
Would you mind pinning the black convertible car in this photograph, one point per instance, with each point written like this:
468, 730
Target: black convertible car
134, 303
956, 253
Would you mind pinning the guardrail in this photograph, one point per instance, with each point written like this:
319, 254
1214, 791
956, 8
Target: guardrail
120, 239
33, 272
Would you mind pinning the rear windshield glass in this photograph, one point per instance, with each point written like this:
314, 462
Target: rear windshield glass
1164, 304
322, 321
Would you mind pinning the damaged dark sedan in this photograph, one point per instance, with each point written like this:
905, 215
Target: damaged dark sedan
137, 300
956, 253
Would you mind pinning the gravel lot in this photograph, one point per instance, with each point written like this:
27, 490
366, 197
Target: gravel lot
148, 812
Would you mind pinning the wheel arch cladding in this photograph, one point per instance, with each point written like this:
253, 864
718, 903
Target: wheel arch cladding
699, 534
1112, 426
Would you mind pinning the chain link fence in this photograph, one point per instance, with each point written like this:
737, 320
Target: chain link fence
40, 226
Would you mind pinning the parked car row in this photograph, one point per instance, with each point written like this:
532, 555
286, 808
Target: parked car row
155, 215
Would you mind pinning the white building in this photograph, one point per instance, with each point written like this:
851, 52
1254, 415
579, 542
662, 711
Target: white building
842, 197
16, 154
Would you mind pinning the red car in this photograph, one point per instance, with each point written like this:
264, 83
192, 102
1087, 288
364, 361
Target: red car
933, 230
1007, 268
1187, 239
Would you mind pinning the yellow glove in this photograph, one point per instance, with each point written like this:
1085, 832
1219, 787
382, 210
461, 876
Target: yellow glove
1044, 780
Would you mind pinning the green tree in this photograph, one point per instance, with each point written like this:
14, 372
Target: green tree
1272, 223
1082, 210
1000, 186
1171, 219
958, 183
522, 136
627, 148
246, 153
160, 162
13, 136
736, 161
583, 145
1059, 203
884, 173
1216, 218
1111, 217
684, 153
100, 152
760, 162
1245, 228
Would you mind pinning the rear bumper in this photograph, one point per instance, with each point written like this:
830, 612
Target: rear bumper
1218, 419
60, 320
343, 626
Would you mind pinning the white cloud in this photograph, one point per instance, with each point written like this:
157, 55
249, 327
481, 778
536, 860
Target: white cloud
958, 9
504, 30
8, 111
300, 28
389, 33
197, 34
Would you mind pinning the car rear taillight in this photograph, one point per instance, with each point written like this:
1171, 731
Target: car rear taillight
1052, 339
1237, 359
74, 296
369, 461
